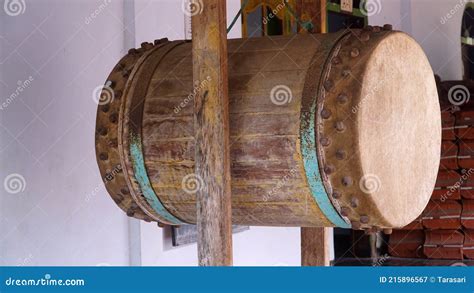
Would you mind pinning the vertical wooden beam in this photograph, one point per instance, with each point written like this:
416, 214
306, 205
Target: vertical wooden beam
314, 246
211, 132
314, 240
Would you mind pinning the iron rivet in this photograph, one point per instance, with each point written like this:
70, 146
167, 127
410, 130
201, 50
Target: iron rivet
125, 73
105, 108
368, 28
118, 94
340, 154
124, 191
146, 45
365, 36
113, 143
376, 29
336, 194
103, 156
340, 126
329, 169
345, 211
346, 181
102, 131
342, 98
355, 225
130, 213
354, 202
387, 27
336, 60
325, 141
325, 113
132, 51
355, 52
113, 118
364, 219
346, 73
328, 85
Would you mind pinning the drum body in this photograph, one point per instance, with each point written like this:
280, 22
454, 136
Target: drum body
325, 130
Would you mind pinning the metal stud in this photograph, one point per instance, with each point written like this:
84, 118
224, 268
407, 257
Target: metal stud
113, 118
356, 225
105, 108
103, 156
340, 126
354, 202
368, 28
364, 219
336, 60
113, 143
342, 98
325, 141
118, 94
328, 84
387, 27
376, 29
346, 181
133, 51
329, 169
124, 191
355, 52
345, 211
365, 37
346, 73
146, 45
325, 113
340, 154
336, 194
102, 131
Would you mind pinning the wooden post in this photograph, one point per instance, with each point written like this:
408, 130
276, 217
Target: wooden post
314, 241
211, 132
314, 246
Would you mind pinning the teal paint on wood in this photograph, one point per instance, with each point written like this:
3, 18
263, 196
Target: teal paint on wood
145, 185
308, 150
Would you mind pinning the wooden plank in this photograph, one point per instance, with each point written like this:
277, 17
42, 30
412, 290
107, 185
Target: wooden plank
314, 11
314, 247
211, 132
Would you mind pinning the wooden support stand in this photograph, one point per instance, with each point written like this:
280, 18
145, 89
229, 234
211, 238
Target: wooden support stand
211, 132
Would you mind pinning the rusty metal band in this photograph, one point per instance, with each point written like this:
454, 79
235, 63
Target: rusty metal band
308, 133
134, 137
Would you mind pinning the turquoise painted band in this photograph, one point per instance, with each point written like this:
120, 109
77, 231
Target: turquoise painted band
141, 176
308, 149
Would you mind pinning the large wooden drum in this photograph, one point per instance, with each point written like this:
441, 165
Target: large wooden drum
326, 130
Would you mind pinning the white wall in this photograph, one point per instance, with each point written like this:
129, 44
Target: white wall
424, 20
64, 216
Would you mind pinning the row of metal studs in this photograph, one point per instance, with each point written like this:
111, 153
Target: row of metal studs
125, 69
340, 127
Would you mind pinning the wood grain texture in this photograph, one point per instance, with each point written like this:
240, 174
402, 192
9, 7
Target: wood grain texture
211, 133
314, 246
